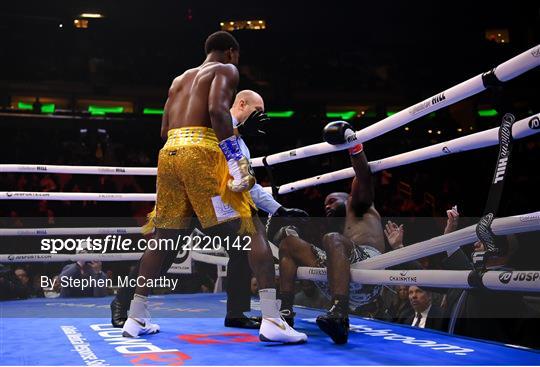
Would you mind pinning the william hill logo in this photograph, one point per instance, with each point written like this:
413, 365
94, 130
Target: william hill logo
438, 98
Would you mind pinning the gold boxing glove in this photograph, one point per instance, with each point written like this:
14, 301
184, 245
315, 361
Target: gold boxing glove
239, 166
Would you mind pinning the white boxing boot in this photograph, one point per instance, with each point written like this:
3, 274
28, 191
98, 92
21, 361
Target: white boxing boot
273, 327
139, 322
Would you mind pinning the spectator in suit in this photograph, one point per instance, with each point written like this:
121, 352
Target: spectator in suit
426, 314
401, 308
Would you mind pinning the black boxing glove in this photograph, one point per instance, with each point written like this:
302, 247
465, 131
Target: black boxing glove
284, 232
251, 127
290, 212
341, 132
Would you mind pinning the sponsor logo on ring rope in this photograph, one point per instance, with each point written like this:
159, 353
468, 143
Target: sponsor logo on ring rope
534, 123
403, 277
522, 276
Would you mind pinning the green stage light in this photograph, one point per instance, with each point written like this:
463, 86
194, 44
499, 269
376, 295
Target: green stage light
100, 110
48, 108
487, 113
45, 108
153, 111
280, 114
24, 106
345, 115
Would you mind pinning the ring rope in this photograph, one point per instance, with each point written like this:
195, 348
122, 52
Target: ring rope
504, 72
486, 138
451, 241
68, 231
515, 281
81, 170
501, 226
74, 196
444, 243
521, 129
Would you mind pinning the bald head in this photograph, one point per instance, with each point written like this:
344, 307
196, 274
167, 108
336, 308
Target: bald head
248, 96
245, 103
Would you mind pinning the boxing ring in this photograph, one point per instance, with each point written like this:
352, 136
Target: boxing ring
77, 331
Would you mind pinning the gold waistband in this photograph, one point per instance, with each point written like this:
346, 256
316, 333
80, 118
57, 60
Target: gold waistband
194, 136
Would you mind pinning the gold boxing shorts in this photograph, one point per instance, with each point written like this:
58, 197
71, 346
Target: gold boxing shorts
192, 178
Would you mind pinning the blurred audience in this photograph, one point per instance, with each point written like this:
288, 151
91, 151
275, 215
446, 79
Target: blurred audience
27, 284
10, 285
83, 270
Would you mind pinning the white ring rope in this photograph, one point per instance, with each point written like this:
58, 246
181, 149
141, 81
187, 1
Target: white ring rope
428, 278
74, 196
515, 281
35, 258
521, 129
444, 243
505, 71
486, 138
81, 170
210, 259
369, 272
451, 241
68, 231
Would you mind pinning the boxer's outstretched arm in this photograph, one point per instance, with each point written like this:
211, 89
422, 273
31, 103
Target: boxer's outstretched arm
220, 98
362, 192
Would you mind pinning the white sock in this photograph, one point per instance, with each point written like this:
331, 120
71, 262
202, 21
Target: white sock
139, 307
269, 305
